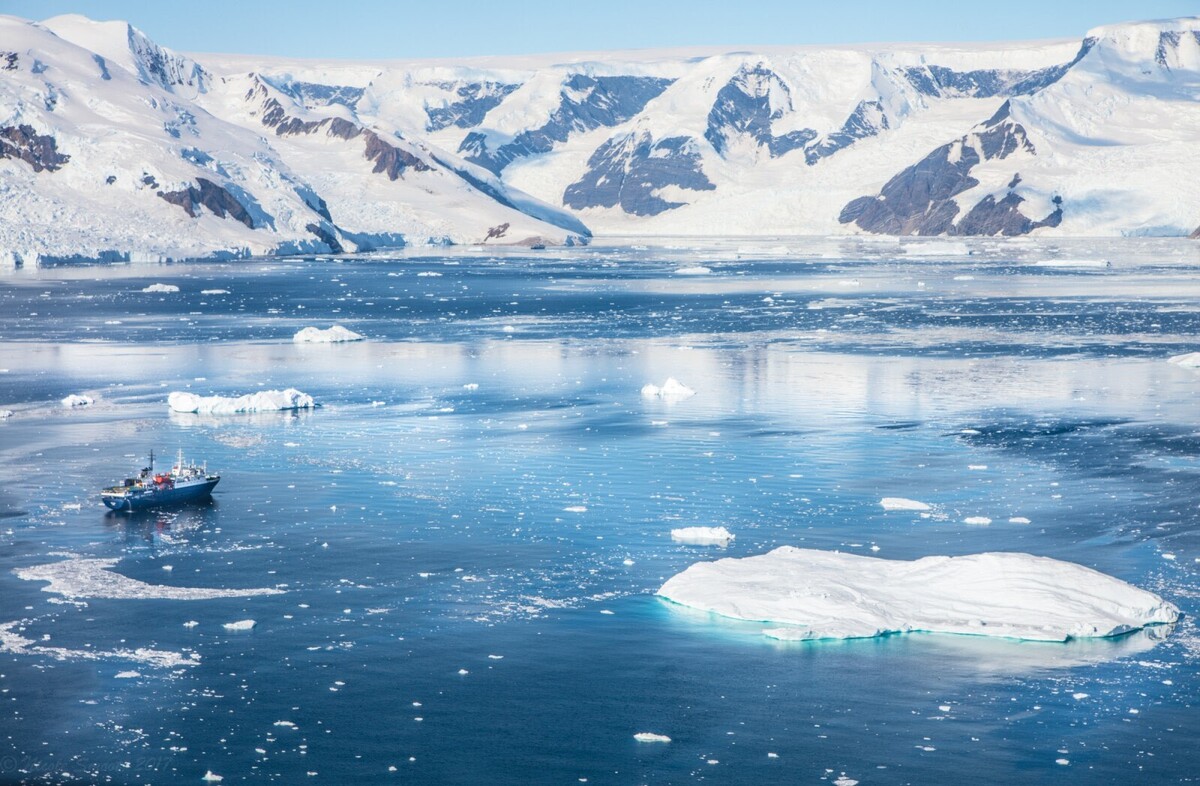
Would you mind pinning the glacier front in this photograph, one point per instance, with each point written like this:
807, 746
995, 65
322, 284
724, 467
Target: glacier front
817, 594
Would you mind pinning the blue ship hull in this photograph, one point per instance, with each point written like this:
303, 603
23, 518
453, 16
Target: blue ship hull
144, 500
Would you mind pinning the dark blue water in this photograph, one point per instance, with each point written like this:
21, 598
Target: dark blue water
420, 528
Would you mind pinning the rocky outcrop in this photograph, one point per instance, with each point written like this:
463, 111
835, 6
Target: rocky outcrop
920, 200
942, 82
867, 119
585, 103
631, 171
326, 235
40, 151
389, 159
749, 103
1002, 217
207, 193
475, 100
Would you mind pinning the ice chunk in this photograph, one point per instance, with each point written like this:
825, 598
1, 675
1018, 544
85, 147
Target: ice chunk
822, 594
1072, 263
900, 503
693, 270
937, 248
214, 292
576, 509
334, 335
11, 641
5, 414
649, 736
212, 777
263, 401
702, 536
1190, 360
93, 578
128, 675
78, 400
161, 288
672, 390
981, 521
240, 625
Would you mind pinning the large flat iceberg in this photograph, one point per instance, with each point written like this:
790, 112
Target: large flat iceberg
334, 335
829, 595
263, 401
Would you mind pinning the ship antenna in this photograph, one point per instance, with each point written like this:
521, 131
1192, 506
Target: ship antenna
151, 459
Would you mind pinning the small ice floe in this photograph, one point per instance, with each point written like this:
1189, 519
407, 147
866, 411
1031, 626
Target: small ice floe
463, 672
212, 777
981, 521
702, 536
842, 780
977, 467
161, 288
509, 329
285, 724
128, 675
935, 248
263, 401
1018, 520
471, 386
190, 624
334, 335
5, 414
1079, 696
495, 657
214, 292
672, 390
832, 595
78, 400
1190, 360
575, 509
649, 736
94, 578
693, 270
900, 503
240, 625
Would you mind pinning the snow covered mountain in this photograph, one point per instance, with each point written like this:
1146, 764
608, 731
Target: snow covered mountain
111, 145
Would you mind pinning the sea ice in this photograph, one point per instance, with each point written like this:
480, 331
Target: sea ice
694, 270
1190, 360
649, 736
93, 578
13, 642
702, 536
161, 288
263, 401
981, 521
128, 675
671, 391
334, 335
212, 777
5, 414
823, 595
239, 625
900, 503
78, 400
214, 292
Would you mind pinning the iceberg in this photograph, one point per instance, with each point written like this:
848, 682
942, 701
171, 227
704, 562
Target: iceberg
671, 391
161, 288
240, 625
263, 401
900, 503
649, 736
77, 400
702, 536
1190, 360
334, 335
817, 594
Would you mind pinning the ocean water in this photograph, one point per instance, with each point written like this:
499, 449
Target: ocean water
465, 538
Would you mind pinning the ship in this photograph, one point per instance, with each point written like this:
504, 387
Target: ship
149, 489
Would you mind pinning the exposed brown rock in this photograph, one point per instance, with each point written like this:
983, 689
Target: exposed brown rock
210, 195
389, 159
40, 151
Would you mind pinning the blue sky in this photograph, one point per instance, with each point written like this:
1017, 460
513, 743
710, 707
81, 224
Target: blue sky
462, 28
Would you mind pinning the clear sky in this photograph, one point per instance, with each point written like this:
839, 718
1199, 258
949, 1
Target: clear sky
463, 28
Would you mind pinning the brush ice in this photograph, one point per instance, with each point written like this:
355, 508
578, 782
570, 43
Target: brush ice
829, 595
334, 335
263, 401
900, 503
161, 288
702, 536
1190, 360
77, 400
671, 390
649, 736
13, 642
94, 578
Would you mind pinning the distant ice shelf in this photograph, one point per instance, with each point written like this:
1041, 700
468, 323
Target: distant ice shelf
813, 594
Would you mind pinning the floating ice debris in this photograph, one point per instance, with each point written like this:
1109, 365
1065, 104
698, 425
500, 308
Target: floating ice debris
977, 466
509, 329
844, 781
128, 675
471, 386
693, 270
1190, 360
334, 335
576, 509
78, 400
702, 536
214, 292
429, 274
15, 643
495, 657
672, 390
212, 777
286, 724
1072, 263
5, 414
161, 288
1079, 696
900, 503
772, 755
823, 595
649, 736
936, 249
239, 625
1063, 762
93, 578
263, 401
463, 672
1018, 520
981, 521
190, 624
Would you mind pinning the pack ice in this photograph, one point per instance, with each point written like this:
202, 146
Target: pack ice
334, 335
263, 401
829, 595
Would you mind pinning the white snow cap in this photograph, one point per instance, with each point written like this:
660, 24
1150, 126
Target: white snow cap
829, 595
263, 401
702, 536
671, 391
334, 335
